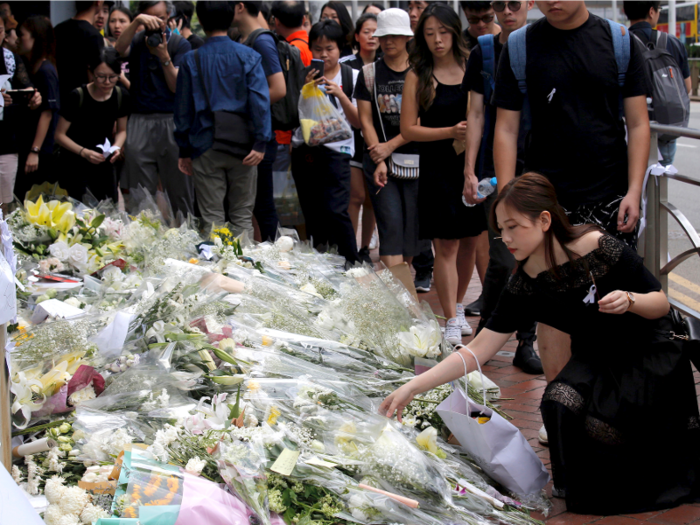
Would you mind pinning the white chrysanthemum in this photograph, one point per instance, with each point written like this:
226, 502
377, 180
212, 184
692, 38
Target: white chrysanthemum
284, 243
73, 500
68, 519
195, 466
16, 474
249, 420
86, 394
91, 514
52, 515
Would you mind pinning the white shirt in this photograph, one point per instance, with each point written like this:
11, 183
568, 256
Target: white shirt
344, 146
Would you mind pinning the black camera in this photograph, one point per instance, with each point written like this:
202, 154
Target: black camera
154, 37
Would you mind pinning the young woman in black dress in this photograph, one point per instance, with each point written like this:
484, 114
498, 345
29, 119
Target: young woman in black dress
433, 93
622, 416
87, 120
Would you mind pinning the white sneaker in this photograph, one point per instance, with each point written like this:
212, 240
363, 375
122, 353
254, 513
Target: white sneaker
542, 436
453, 331
374, 242
466, 328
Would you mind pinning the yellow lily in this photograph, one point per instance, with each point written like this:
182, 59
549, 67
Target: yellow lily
65, 222
55, 379
427, 440
38, 212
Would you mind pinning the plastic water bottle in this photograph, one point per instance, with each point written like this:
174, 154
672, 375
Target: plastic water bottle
485, 188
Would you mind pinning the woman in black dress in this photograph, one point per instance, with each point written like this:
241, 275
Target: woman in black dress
622, 416
87, 122
433, 93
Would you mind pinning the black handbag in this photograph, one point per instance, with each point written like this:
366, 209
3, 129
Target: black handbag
232, 130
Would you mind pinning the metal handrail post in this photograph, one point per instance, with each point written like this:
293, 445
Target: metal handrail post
650, 244
663, 230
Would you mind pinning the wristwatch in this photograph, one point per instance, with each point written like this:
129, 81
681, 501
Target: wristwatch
35, 149
166, 63
630, 299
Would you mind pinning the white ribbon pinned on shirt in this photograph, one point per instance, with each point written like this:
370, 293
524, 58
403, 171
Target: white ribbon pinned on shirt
590, 298
657, 170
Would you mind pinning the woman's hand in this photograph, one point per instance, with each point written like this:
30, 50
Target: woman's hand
614, 303
35, 102
459, 131
92, 156
381, 175
311, 76
332, 88
32, 163
470, 191
396, 402
380, 152
117, 155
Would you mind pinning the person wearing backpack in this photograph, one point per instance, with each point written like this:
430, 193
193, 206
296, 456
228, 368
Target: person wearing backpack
86, 122
479, 82
151, 153
322, 173
665, 55
569, 78
255, 36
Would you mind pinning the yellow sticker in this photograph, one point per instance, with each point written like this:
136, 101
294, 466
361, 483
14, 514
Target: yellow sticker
320, 463
286, 462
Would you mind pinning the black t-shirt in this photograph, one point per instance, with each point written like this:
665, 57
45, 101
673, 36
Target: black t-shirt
471, 41
389, 85
78, 45
195, 41
46, 81
577, 138
93, 122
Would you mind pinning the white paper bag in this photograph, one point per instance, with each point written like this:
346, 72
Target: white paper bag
497, 446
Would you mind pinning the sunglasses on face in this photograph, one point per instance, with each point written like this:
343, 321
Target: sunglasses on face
499, 7
474, 20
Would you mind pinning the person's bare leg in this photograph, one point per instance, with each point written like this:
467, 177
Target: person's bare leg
391, 260
555, 350
368, 220
446, 276
466, 259
357, 196
482, 255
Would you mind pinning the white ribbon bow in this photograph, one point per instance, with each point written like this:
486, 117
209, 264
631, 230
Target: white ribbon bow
590, 298
657, 170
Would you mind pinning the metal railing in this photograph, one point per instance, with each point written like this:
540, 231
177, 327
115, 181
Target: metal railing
653, 245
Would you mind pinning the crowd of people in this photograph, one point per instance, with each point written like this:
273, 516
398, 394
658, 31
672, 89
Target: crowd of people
111, 101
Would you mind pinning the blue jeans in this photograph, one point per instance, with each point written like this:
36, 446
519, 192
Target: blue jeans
668, 152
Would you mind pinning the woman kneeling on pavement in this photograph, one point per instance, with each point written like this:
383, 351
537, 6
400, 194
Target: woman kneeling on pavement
622, 415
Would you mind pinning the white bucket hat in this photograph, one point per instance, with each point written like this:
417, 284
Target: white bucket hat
393, 22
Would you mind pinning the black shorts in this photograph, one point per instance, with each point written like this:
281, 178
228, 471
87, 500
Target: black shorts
603, 214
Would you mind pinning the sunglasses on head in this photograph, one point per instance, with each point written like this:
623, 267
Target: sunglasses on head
499, 7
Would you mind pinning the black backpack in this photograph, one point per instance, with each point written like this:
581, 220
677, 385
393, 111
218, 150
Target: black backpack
670, 103
285, 112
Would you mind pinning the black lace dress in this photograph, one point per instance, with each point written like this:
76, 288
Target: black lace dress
622, 416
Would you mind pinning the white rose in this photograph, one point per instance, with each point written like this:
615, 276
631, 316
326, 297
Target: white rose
195, 466
72, 301
78, 256
285, 243
60, 250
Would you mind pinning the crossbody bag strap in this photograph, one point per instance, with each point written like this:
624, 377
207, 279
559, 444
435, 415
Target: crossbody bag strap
376, 99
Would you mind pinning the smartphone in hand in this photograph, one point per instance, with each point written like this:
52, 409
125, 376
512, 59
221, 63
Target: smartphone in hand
319, 65
20, 96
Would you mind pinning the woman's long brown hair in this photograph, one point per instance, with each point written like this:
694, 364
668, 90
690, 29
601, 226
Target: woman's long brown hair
531, 194
44, 41
420, 57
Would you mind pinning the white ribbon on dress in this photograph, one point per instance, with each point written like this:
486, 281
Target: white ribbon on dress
657, 170
590, 298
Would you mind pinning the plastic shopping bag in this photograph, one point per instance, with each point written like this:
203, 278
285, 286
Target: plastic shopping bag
496, 445
321, 122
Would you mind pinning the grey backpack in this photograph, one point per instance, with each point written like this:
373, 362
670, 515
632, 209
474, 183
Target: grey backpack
669, 103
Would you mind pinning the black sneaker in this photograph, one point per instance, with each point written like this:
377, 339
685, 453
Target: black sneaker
474, 309
364, 256
422, 282
526, 358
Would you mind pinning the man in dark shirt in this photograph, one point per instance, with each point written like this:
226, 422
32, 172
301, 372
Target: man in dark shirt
151, 154
183, 20
482, 21
643, 17
225, 183
78, 45
577, 138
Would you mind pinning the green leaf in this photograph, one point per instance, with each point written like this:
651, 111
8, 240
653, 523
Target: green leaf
97, 221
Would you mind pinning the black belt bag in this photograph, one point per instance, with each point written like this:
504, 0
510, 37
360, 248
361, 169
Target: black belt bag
232, 131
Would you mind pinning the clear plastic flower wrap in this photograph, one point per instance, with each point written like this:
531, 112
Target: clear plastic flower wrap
101, 436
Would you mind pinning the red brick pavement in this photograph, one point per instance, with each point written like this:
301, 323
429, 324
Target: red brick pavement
527, 391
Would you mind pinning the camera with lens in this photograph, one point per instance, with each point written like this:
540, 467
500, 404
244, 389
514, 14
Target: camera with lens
154, 37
